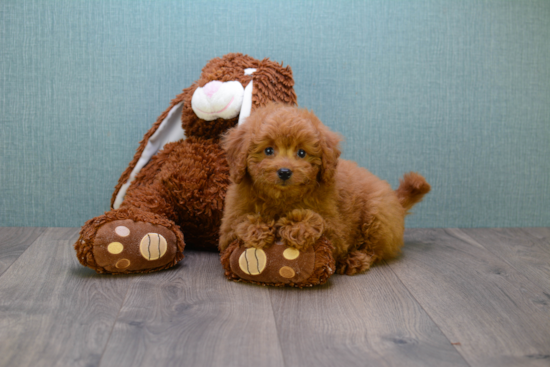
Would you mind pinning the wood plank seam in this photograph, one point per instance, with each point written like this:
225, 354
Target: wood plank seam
28, 247
55, 300
114, 323
485, 303
277, 329
427, 313
497, 255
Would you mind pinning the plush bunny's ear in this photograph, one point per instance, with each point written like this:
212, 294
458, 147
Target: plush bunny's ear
247, 99
167, 129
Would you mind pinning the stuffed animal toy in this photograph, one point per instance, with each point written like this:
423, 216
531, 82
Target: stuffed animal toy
172, 193
279, 265
292, 196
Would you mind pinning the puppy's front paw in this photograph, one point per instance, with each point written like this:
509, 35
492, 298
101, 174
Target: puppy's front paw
356, 262
254, 231
301, 228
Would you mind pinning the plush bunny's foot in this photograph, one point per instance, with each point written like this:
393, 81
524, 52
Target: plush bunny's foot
125, 246
279, 265
128, 245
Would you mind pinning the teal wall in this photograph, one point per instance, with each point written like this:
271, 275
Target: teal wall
457, 90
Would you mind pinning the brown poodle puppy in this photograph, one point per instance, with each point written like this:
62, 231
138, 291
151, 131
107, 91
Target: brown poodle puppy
288, 183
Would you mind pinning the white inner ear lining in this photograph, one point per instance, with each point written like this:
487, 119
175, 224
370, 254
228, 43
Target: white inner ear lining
169, 130
247, 103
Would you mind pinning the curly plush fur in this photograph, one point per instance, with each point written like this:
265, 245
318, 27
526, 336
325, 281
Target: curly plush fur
182, 188
360, 214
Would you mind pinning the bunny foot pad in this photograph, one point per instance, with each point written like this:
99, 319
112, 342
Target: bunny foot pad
125, 246
279, 265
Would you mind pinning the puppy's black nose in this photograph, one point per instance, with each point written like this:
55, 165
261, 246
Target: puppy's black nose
284, 173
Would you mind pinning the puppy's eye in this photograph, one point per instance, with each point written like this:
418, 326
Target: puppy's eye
301, 153
269, 151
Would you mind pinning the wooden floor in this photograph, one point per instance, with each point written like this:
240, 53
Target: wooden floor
476, 297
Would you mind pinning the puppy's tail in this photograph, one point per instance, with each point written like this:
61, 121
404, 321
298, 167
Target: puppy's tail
412, 189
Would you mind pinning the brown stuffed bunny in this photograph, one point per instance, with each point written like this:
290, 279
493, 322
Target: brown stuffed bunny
174, 188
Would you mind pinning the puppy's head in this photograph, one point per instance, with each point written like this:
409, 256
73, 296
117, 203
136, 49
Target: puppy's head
282, 149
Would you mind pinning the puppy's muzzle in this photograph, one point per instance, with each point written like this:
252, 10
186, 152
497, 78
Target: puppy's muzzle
284, 173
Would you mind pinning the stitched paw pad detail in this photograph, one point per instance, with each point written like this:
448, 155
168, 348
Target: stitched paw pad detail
253, 261
274, 264
125, 246
153, 246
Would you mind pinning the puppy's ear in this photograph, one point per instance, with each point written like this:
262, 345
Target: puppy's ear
329, 153
236, 144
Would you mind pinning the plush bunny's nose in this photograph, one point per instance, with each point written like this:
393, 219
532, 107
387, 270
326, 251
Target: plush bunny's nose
284, 173
212, 87
218, 100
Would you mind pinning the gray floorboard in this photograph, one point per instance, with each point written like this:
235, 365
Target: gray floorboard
365, 320
454, 298
193, 316
526, 250
13, 242
54, 312
481, 303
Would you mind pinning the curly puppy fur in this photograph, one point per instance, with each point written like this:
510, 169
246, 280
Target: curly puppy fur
360, 214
